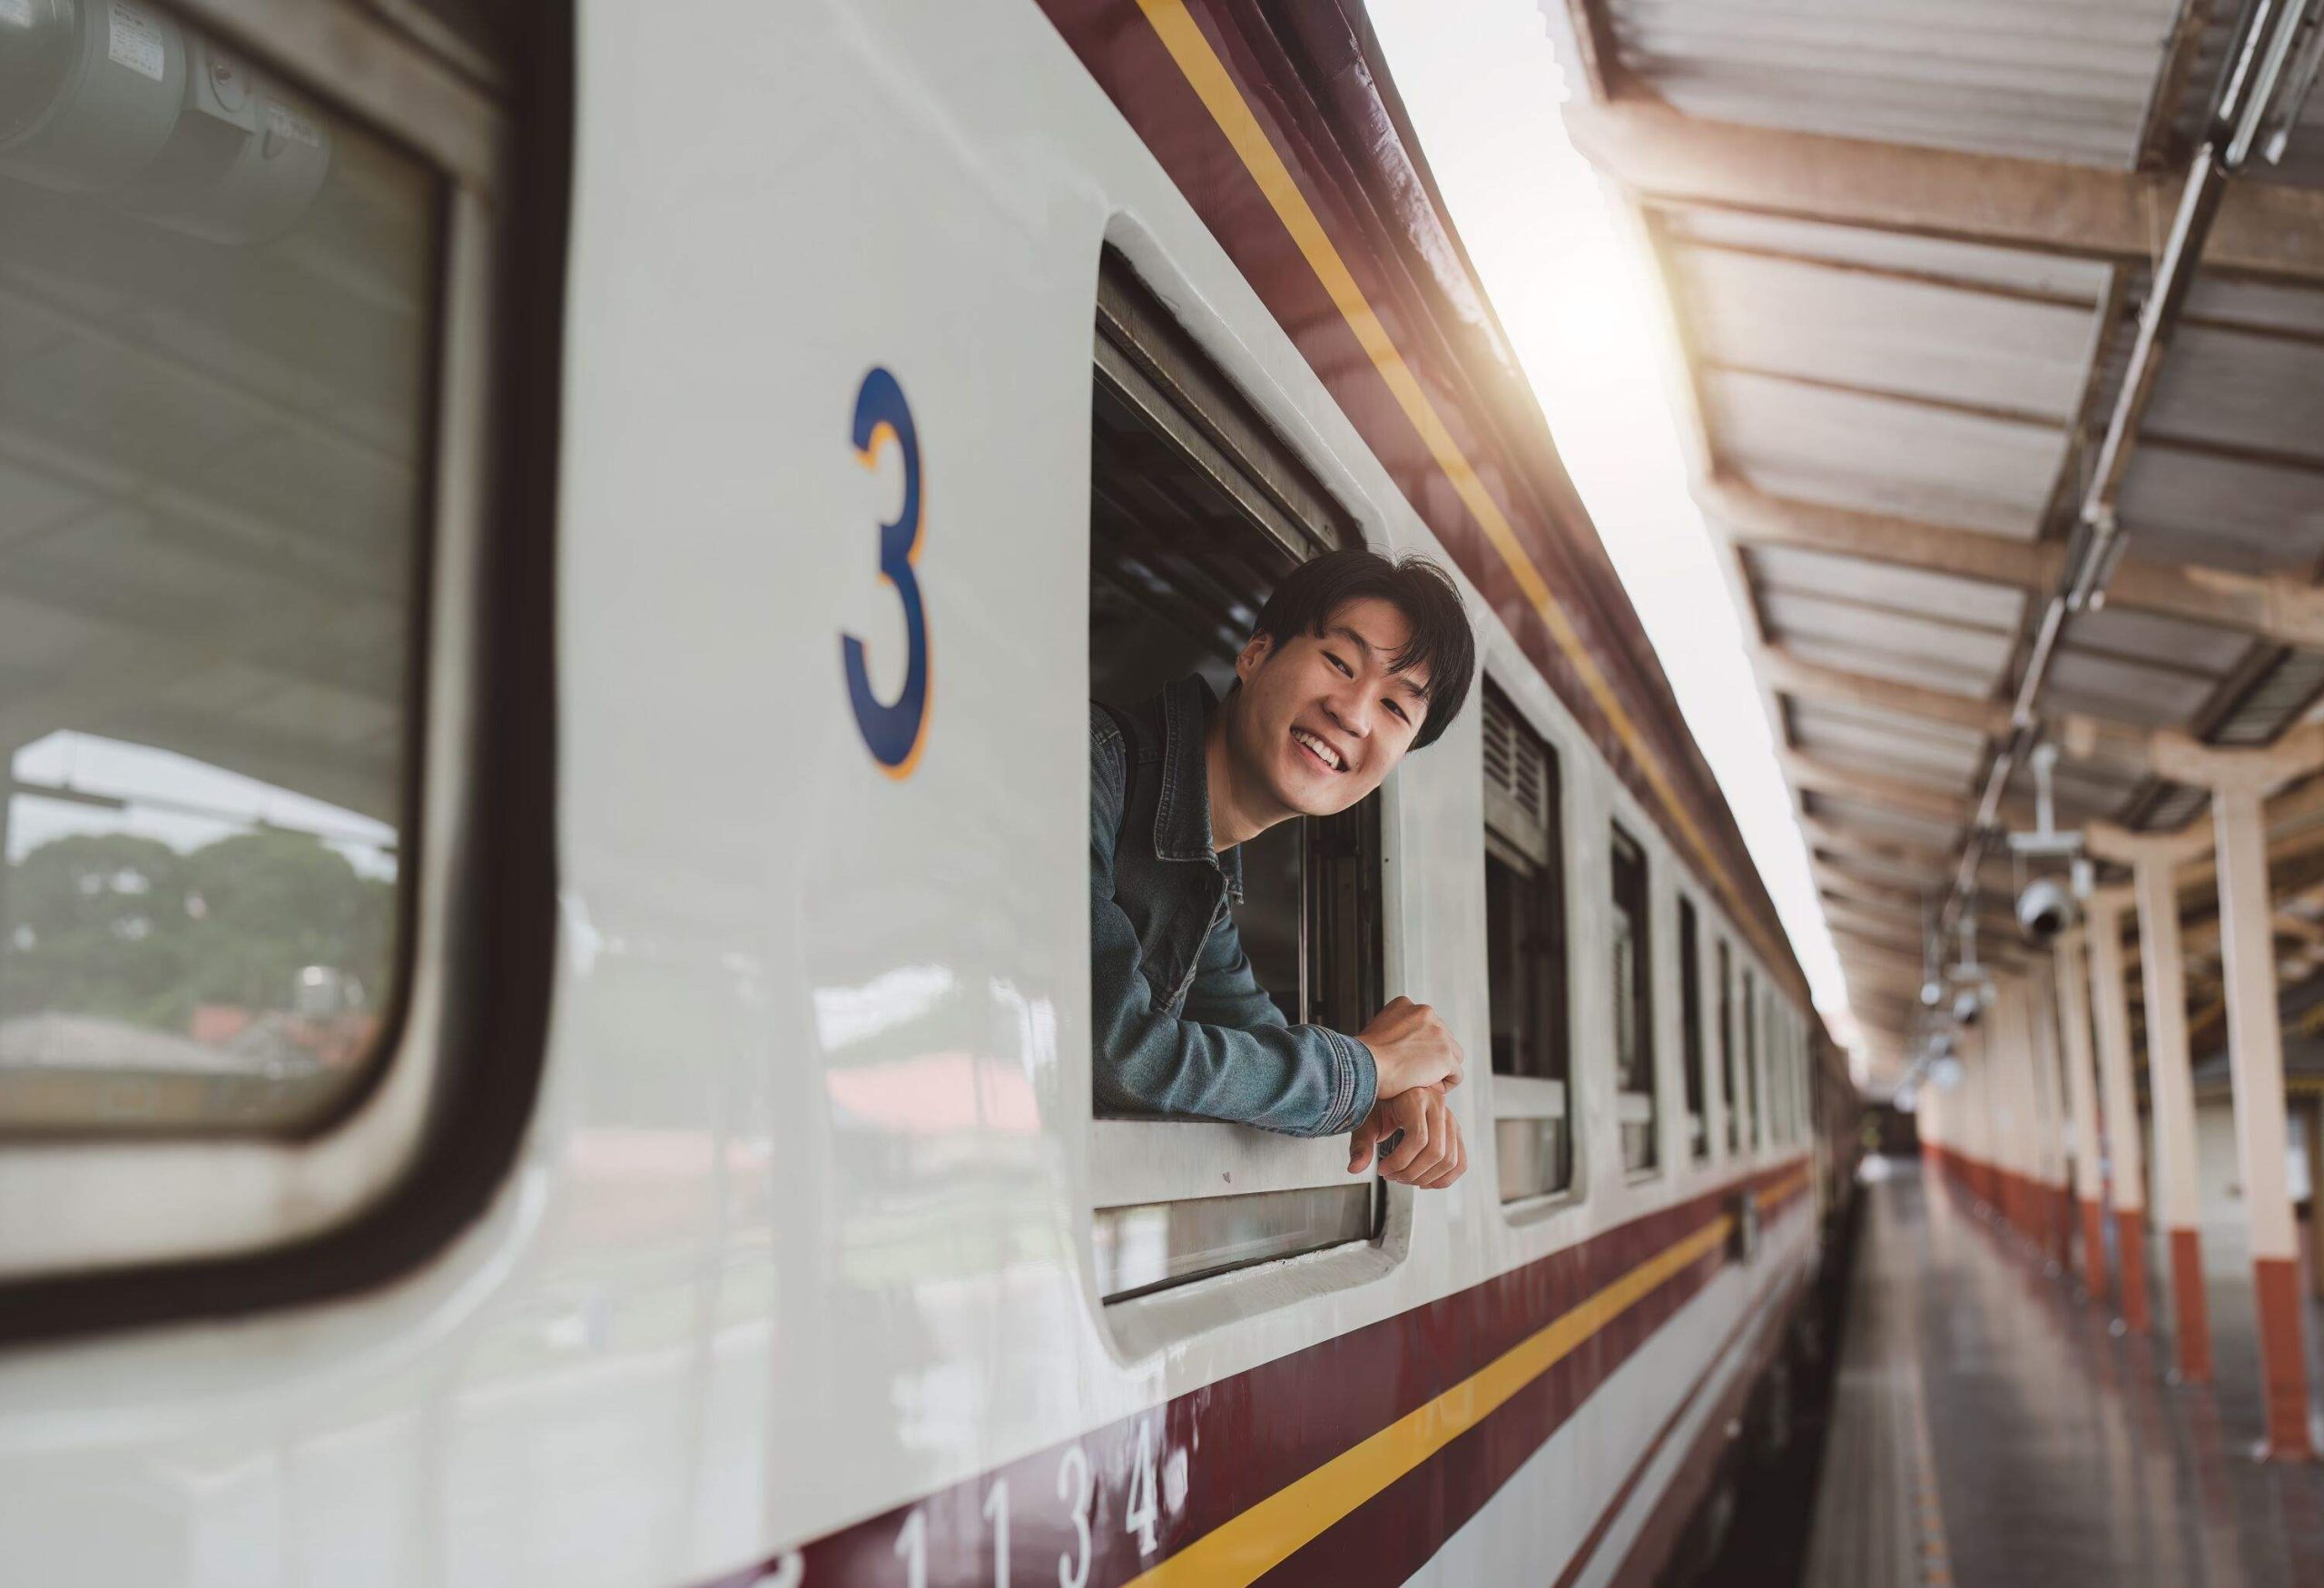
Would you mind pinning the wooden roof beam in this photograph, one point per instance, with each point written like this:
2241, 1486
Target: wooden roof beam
1664, 157
2275, 607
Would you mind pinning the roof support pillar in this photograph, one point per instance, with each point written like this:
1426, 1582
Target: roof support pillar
2082, 1103
2256, 1062
2178, 1204
2119, 1099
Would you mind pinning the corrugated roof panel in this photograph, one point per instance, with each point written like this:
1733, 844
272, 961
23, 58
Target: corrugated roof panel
1924, 774
2257, 305
1823, 715
2109, 686
2125, 633
2228, 512
2050, 79
1884, 455
1949, 672
2242, 390
2010, 269
1897, 751
1946, 595
2273, 704
1880, 821
1913, 338
1894, 874
2083, 787
1887, 630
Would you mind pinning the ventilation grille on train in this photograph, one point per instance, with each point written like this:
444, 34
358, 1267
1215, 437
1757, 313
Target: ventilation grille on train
1517, 778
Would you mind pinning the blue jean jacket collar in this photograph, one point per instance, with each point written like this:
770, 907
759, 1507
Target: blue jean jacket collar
1182, 814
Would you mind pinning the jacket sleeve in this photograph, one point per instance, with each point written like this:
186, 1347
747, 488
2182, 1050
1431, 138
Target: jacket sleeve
1241, 1062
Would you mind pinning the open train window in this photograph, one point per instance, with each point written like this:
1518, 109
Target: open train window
1197, 510
1690, 1030
253, 363
1525, 955
1631, 933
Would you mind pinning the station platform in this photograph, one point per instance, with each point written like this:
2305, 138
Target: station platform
1991, 1426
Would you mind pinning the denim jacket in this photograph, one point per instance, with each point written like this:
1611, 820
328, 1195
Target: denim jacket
1180, 1026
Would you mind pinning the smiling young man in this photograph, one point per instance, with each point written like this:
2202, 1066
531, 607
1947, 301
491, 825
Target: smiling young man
1354, 661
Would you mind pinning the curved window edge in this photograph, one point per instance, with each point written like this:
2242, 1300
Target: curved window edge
485, 1006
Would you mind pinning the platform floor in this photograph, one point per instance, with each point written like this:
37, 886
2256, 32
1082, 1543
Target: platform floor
1989, 1426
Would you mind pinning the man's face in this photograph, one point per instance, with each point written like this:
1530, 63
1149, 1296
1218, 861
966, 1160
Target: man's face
1322, 720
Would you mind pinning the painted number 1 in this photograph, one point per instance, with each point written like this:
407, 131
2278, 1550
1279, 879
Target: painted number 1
893, 730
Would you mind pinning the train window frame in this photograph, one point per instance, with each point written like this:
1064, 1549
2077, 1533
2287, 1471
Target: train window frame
1754, 1134
215, 1225
1730, 1090
1153, 1186
1634, 1111
1516, 837
1693, 1049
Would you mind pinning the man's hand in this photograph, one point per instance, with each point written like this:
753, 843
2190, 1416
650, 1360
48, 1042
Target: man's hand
1411, 1049
1431, 1154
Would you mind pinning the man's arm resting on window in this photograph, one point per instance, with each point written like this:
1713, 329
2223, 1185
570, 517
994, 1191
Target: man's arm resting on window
1306, 1080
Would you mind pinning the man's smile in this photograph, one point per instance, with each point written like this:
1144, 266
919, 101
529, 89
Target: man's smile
1319, 750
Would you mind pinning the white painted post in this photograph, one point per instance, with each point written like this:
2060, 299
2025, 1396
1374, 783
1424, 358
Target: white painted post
2040, 1005
2178, 1203
2255, 1056
2119, 1099
2082, 1100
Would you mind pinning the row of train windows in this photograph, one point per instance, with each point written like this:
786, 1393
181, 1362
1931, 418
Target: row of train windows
205, 908
1528, 960
1197, 509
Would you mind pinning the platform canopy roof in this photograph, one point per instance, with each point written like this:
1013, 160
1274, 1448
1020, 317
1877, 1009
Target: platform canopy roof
1906, 246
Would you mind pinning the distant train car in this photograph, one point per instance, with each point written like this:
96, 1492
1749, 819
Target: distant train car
553, 561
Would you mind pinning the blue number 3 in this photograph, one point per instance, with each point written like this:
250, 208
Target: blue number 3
895, 731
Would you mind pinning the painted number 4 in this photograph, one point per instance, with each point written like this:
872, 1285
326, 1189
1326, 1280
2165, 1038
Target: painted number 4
1145, 1507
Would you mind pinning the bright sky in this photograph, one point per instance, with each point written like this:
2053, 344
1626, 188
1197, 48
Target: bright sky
1484, 93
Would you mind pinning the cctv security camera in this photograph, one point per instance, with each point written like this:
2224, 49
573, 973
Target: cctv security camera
2046, 908
1968, 1006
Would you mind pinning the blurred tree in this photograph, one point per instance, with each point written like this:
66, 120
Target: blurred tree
129, 929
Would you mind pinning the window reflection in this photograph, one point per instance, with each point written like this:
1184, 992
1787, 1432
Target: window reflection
216, 319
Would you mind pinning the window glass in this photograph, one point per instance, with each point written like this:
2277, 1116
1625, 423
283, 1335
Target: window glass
1197, 511
216, 324
1754, 1127
1525, 955
1633, 990
1690, 1030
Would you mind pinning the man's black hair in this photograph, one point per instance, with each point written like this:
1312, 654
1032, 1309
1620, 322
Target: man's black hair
1441, 645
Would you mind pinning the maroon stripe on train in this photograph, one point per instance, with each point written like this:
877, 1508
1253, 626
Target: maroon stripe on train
1311, 76
1251, 1434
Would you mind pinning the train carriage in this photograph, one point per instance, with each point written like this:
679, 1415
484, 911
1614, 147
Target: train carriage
663, 484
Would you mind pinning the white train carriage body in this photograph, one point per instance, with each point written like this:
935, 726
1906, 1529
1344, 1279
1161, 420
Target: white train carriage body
808, 1262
